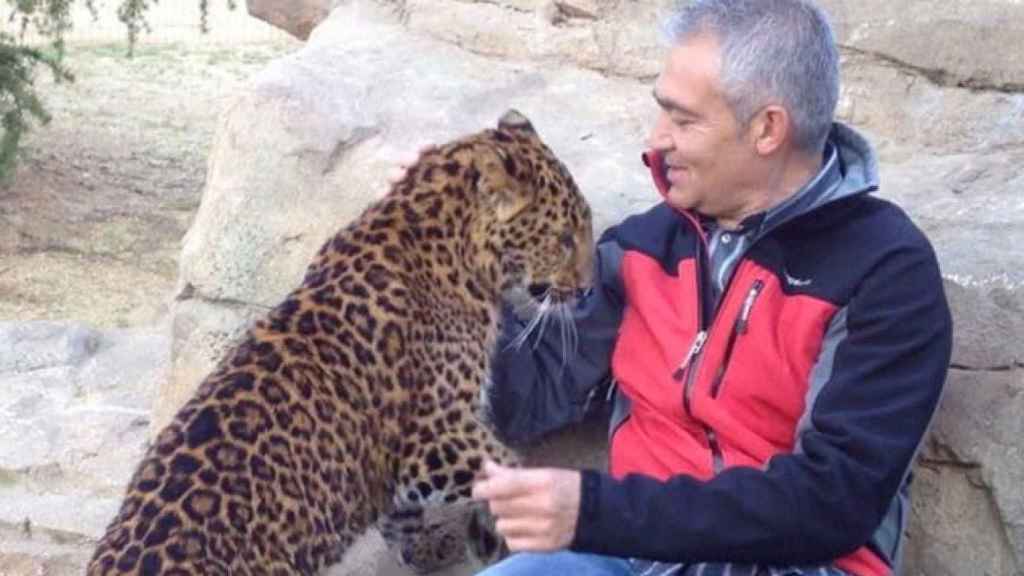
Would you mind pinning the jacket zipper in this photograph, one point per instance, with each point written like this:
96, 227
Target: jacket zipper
738, 328
687, 370
685, 373
717, 460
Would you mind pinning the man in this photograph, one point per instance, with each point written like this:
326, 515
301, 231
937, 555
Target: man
778, 336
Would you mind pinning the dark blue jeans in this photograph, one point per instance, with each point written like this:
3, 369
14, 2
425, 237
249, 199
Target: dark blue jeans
580, 564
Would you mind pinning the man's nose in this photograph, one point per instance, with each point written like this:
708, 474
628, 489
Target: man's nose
659, 139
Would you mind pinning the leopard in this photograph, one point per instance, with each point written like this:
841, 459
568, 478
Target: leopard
361, 399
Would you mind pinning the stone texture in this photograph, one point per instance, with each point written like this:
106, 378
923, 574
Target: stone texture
970, 206
989, 321
910, 114
295, 18
968, 513
615, 37
976, 44
42, 345
200, 333
74, 411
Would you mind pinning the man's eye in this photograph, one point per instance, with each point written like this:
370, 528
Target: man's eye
681, 122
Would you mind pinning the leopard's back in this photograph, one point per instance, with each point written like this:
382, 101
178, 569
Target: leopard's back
358, 399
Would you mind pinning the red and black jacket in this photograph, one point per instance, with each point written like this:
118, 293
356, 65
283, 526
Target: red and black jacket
775, 425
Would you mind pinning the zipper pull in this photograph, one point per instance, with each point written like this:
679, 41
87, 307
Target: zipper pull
698, 344
611, 391
748, 304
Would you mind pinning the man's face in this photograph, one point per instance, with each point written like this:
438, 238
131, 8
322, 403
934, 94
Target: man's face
706, 149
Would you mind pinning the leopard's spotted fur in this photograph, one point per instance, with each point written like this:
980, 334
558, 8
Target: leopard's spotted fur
358, 399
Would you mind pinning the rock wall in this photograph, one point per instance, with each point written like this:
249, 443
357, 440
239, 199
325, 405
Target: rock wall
938, 86
74, 414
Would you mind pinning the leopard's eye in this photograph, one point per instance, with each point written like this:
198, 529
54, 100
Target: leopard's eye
567, 241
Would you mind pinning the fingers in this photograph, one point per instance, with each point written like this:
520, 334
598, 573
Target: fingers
398, 172
536, 532
406, 161
490, 482
498, 482
491, 468
518, 527
535, 509
522, 535
522, 507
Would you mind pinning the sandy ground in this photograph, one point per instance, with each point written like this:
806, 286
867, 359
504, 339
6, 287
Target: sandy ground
91, 221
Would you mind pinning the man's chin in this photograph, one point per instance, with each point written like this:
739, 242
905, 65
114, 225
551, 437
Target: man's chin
679, 199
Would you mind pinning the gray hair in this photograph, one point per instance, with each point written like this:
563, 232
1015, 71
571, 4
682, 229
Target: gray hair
779, 51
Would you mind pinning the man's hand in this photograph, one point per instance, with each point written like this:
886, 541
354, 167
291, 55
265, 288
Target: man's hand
536, 509
406, 161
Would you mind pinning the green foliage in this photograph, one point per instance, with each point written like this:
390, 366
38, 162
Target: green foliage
19, 103
18, 100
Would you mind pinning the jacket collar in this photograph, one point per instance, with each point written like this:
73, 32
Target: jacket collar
850, 168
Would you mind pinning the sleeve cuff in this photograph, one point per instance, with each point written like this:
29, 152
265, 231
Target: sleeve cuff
589, 513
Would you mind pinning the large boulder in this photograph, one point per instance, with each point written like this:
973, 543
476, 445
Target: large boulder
306, 145
296, 18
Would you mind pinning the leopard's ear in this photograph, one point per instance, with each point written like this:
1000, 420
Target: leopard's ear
514, 120
503, 193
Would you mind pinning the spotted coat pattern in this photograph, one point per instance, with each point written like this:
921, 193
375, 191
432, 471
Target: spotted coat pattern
359, 399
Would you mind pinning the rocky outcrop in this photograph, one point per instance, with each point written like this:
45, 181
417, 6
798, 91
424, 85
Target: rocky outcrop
968, 513
74, 414
295, 18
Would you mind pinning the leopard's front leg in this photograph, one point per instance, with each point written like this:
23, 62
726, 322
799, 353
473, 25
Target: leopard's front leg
435, 521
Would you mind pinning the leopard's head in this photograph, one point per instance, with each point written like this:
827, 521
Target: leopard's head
539, 231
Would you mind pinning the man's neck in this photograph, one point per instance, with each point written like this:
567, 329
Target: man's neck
782, 184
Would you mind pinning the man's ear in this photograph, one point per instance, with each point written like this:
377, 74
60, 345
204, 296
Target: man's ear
500, 191
770, 128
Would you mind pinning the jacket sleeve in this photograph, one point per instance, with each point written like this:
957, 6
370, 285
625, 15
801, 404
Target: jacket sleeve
825, 499
541, 385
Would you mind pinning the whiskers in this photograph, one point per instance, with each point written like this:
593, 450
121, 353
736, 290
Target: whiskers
541, 311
